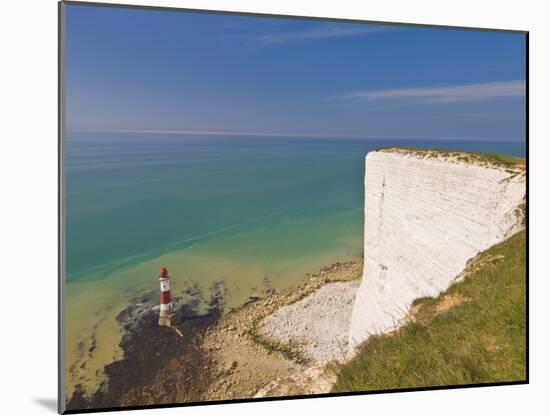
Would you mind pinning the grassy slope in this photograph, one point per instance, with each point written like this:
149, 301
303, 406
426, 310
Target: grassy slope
481, 339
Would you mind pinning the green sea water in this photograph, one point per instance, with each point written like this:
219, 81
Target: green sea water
249, 212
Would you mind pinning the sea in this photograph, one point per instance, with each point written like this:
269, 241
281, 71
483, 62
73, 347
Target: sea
251, 213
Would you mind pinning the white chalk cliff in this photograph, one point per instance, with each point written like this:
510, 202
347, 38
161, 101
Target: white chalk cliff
426, 215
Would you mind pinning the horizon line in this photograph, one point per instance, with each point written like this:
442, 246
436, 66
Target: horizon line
290, 135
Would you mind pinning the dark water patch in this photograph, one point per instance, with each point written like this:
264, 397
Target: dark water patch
158, 365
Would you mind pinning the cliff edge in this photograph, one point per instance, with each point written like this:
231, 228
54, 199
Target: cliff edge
426, 214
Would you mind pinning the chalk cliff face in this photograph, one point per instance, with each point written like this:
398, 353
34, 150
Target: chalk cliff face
426, 215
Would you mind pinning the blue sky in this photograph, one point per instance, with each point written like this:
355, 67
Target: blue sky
132, 69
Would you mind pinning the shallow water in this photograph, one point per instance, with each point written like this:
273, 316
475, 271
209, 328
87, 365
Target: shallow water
252, 213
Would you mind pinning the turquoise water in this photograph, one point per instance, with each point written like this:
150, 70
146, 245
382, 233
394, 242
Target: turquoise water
133, 197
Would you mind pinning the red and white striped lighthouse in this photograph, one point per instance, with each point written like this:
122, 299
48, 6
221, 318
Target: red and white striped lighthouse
165, 316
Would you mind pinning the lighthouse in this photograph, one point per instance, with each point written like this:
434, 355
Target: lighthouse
165, 316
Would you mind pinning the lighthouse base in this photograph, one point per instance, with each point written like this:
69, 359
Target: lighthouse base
166, 320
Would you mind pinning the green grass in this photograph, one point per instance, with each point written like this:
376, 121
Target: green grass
500, 160
481, 339
290, 351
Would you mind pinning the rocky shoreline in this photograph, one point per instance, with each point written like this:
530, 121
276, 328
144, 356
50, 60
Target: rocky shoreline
227, 355
317, 325
260, 360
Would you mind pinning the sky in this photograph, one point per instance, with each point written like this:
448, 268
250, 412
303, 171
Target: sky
143, 70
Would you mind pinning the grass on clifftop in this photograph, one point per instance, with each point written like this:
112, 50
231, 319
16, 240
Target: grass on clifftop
495, 159
473, 333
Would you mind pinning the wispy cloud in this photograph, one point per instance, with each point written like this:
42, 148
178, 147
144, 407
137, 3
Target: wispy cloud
325, 32
444, 94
